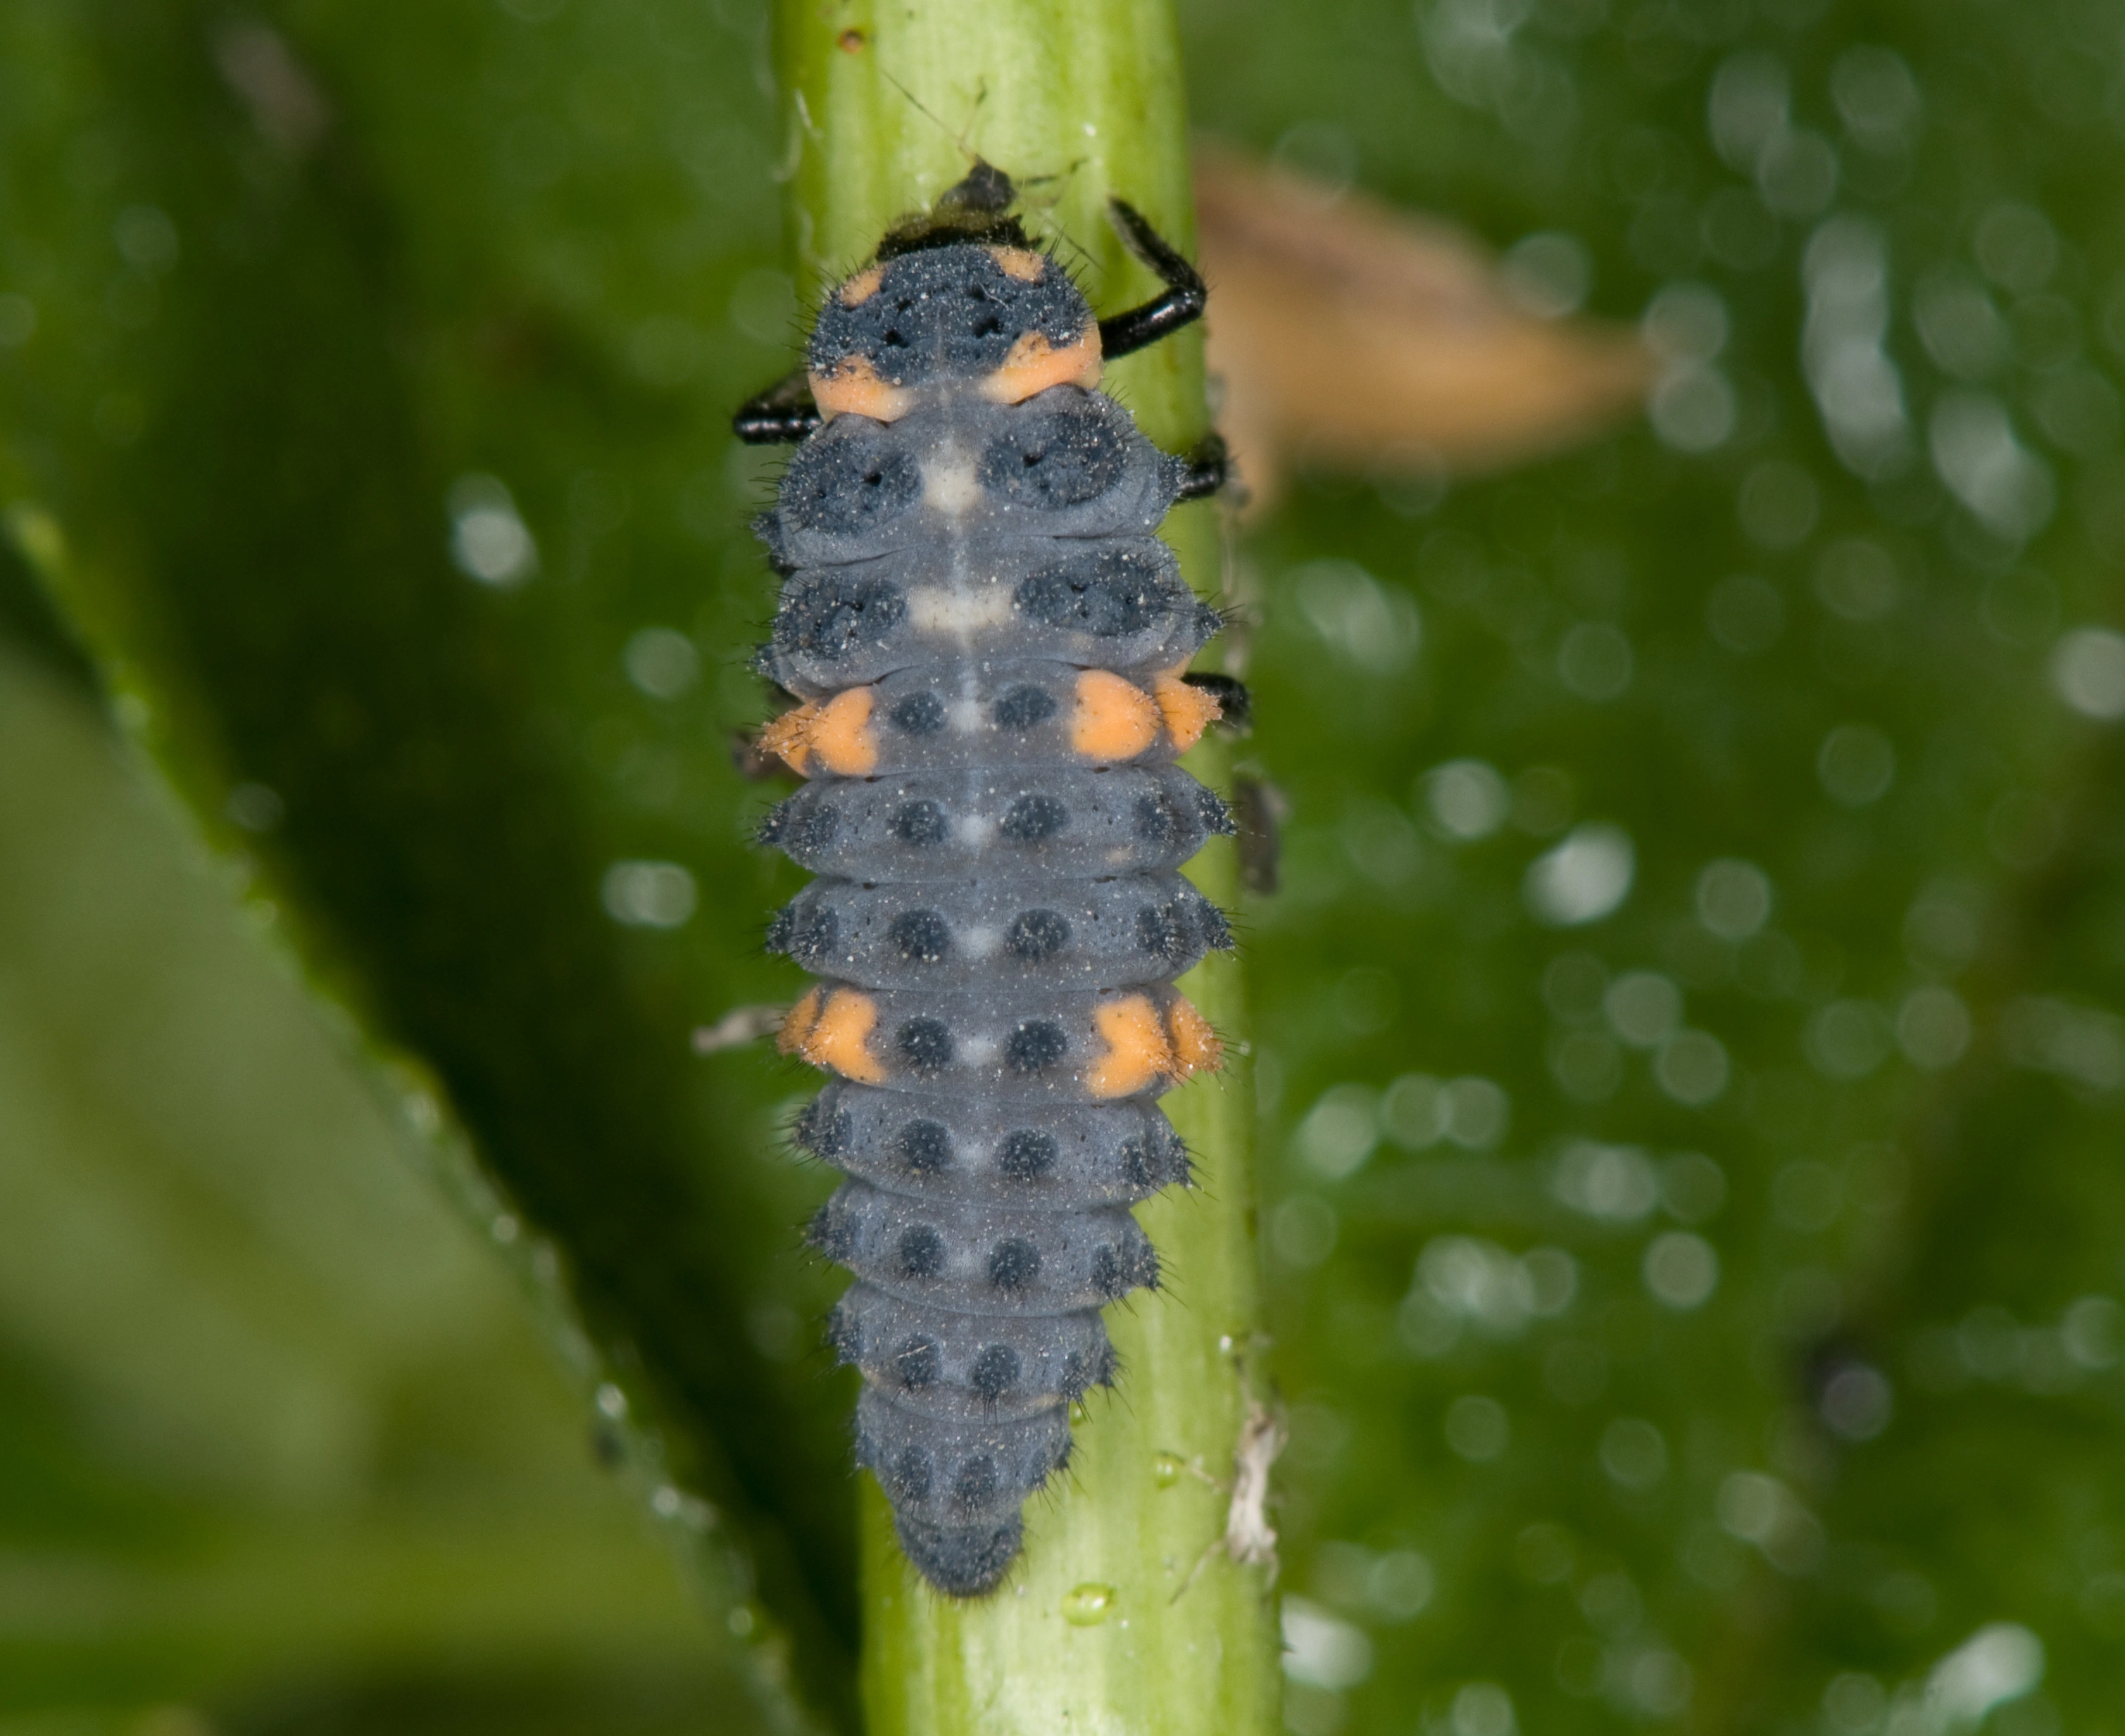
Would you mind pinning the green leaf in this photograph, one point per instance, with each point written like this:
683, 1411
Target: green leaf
276, 338
1886, 1431
278, 1438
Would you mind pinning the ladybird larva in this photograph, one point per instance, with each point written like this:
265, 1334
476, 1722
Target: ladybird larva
987, 643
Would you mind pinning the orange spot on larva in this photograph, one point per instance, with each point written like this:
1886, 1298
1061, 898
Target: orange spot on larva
1188, 711
1196, 1048
837, 1035
849, 42
853, 388
840, 734
860, 287
797, 1022
1022, 263
1115, 719
1138, 1054
789, 738
1035, 364
837, 734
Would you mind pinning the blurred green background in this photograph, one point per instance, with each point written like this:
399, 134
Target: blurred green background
1689, 1027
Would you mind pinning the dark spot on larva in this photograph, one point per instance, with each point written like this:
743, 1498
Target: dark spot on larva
925, 1046
909, 1475
995, 1372
1162, 931
1037, 935
819, 933
1082, 1373
918, 714
918, 1362
1032, 818
925, 1147
1035, 1045
849, 483
802, 827
1216, 818
1026, 1155
833, 1231
1014, 1264
1211, 926
829, 615
919, 823
921, 1252
1116, 1271
1155, 1160
1109, 594
977, 1484
1157, 824
920, 937
821, 1130
1054, 459
1023, 707
808, 932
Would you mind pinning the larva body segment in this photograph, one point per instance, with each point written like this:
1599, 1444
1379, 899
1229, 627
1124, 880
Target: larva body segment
986, 644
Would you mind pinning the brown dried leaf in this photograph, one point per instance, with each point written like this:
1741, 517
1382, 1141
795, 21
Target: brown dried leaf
1352, 336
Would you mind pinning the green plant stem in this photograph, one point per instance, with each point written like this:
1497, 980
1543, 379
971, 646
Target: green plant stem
1124, 1614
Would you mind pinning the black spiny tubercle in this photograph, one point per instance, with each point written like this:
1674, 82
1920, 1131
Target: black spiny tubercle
989, 646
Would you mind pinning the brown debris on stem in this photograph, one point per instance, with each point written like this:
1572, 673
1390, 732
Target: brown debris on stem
1352, 336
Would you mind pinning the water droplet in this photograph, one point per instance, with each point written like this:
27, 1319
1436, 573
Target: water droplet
1087, 1605
1166, 1468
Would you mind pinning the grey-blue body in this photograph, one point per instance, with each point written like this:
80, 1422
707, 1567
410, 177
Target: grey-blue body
995, 880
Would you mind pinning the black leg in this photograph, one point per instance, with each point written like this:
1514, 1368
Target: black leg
781, 414
1181, 305
1204, 471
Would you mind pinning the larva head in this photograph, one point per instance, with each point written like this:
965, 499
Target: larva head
957, 301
